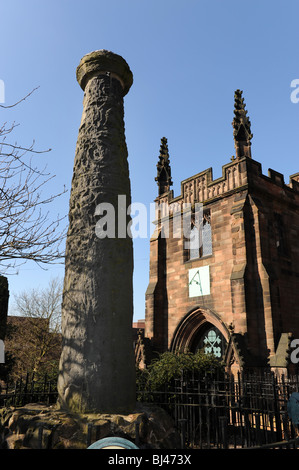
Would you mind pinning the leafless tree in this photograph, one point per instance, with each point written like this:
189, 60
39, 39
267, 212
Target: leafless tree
35, 342
42, 303
26, 231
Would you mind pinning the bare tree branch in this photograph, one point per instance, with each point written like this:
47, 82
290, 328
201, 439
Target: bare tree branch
20, 101
35, 341
26, 231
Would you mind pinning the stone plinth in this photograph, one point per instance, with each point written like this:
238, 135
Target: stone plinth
37, 426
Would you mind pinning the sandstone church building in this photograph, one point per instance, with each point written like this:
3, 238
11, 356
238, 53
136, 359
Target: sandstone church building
237, 294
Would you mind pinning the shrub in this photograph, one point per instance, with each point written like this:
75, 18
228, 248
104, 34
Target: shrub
169, 366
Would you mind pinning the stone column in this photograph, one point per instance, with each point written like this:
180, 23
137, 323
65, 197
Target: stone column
97, 367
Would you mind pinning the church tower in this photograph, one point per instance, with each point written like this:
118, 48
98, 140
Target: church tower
237, 295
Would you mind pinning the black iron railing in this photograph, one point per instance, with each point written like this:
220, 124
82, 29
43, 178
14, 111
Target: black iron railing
228, 412
29, 389
245, 411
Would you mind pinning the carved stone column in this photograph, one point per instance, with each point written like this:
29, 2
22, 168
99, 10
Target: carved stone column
97, 367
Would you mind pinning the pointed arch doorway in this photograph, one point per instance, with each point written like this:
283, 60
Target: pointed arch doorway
201, 329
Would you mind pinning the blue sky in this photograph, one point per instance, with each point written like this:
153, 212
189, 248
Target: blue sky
187, 57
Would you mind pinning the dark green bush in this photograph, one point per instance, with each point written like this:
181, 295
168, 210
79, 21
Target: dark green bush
169, 366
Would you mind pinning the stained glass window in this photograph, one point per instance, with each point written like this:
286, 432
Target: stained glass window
212, 342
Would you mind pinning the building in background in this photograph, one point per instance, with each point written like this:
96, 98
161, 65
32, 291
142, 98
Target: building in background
234, 290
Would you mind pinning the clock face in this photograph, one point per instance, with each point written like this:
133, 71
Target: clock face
199, 281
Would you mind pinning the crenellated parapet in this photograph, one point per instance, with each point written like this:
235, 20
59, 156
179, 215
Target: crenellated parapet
202, 187
240, 172
236, 176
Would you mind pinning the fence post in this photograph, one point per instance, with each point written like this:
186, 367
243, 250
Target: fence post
49, 393
32, 387
276, 409
89, 433
183, 432
45, 386
20, 400
40, 437
223, 427
14, 402
26, 387
137, 434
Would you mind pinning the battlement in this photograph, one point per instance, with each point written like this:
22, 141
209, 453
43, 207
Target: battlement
202, 187
236, 176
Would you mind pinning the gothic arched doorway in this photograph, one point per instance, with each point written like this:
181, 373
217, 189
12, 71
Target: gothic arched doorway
201, 329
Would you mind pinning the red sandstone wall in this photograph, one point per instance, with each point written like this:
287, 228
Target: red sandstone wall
252, 284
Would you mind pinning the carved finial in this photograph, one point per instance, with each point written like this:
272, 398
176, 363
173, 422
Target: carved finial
242, 129
163, 168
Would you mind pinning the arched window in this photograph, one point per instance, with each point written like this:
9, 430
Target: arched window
194, 243
206, 238
200, 239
